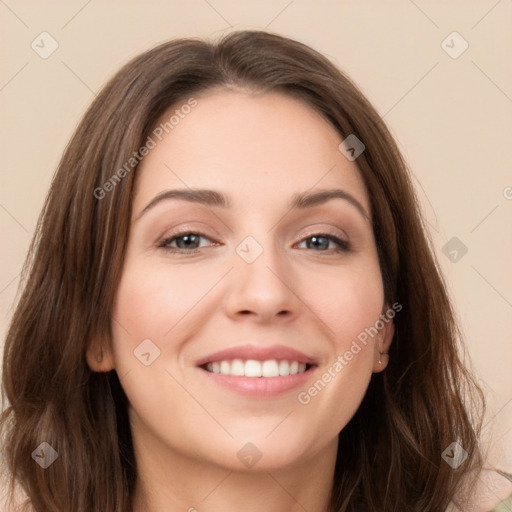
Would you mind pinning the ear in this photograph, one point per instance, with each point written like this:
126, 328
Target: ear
99, 356
381, 346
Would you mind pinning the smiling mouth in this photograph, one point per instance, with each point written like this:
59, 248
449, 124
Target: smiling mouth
269, 368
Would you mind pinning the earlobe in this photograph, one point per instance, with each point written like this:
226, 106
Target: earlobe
381, 347
99, 358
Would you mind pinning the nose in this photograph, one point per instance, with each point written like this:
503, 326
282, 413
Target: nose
262, 289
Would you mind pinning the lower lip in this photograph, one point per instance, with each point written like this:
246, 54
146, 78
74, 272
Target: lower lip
259, 387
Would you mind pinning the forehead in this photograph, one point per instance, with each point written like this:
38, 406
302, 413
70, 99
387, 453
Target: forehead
255, 147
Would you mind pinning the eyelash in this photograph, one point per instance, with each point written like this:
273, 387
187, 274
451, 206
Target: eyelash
343, 245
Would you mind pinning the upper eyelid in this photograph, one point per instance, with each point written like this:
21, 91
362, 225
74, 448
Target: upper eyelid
199, 231
179, 234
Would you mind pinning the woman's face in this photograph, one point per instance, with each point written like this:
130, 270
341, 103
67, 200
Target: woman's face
259, 279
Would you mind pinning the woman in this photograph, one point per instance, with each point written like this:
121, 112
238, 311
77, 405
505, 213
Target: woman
231, 302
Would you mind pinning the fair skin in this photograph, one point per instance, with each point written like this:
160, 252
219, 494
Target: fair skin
301, 293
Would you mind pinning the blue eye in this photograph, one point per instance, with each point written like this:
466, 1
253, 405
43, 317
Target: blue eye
322, 241
187, 242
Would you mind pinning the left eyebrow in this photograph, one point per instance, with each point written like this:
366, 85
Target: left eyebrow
215, 198
311, 199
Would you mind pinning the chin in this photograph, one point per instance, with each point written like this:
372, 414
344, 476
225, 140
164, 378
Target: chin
264, 452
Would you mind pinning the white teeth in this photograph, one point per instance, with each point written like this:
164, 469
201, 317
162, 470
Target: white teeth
224, 367
253, 368
237, 368
284, 368
270, 368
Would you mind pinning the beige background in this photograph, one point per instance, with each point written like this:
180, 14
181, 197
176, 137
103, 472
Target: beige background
451, 117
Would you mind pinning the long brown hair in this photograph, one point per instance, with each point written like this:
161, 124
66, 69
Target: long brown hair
390, 453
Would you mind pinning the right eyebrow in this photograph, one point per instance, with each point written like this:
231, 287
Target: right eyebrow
202, 196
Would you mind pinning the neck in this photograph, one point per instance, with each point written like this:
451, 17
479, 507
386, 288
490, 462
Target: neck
173, 481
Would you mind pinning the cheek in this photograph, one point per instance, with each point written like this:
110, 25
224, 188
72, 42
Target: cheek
152, 299
349, 300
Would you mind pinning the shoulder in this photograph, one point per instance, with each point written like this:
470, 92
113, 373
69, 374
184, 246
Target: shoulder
492, 492
18, 503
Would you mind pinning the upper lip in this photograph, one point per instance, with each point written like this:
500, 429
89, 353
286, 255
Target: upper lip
258, 353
